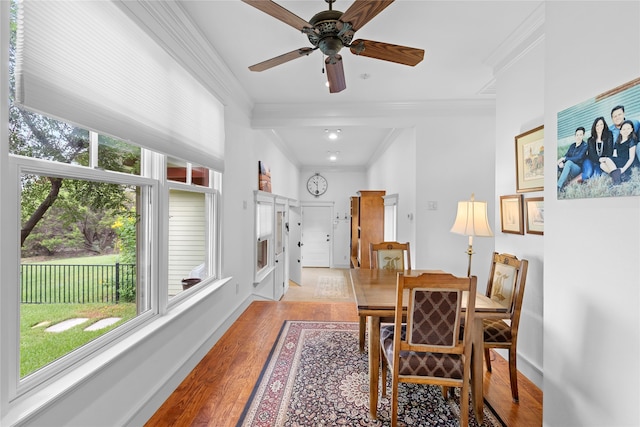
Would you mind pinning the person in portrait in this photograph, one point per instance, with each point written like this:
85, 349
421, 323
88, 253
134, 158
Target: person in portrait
618, 166
599, 144
570, 165
617, 118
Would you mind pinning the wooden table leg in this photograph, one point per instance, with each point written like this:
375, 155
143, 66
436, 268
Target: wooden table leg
477, 373
374, 364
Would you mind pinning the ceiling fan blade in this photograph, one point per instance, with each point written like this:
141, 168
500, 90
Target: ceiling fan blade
363, 11
387, 52
269, 63
335, 73
271, 8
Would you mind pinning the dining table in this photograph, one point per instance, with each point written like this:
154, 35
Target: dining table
375, 296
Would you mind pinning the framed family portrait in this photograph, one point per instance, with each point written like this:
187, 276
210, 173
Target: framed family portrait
530, 160
610, 123
511, 214
535, 215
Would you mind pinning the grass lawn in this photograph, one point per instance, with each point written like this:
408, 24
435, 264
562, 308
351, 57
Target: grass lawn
39, 347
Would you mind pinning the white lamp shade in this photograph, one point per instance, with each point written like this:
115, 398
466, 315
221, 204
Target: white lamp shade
471, 219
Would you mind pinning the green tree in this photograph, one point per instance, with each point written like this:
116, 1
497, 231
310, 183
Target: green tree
87, 205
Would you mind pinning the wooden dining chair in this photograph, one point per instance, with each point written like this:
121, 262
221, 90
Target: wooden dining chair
507, 278
431, 347
390, 255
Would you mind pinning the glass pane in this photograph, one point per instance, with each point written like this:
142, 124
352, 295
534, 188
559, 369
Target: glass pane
117, 155
79, 265
176, 170
279, 232
187, 240
33, 135
263, 255
200, 175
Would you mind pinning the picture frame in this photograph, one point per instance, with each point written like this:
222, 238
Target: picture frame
530, 160
535, 215
264, 177
612, 107
511, 214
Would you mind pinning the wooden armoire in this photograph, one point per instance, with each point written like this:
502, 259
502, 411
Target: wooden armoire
367, 225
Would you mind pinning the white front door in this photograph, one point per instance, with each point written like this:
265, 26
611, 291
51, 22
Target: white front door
295, 245
316, 236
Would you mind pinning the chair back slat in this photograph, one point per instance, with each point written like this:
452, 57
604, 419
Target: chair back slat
390, 256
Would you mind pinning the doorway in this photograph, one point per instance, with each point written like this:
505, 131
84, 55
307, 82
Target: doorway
317, 234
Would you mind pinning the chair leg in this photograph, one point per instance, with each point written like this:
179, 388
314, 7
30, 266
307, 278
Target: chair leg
445, 392
363, 329
513, 373
487, 358
394, 402
464, 404
384, 372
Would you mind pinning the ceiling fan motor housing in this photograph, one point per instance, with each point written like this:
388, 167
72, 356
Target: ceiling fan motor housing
328, 37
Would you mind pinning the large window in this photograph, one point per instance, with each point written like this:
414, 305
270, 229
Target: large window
96, 216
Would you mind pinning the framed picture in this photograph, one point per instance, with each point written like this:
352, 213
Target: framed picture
530, 161
511, 216
535, 215
608, 113
264, 177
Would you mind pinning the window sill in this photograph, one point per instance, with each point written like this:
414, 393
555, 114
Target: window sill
262, 274
31, 403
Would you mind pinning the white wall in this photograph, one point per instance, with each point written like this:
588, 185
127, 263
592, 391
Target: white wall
522, 80
454, 157
395, 172
591, 275
341, 186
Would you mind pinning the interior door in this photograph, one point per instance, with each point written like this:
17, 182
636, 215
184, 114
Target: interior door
316, 236
279, 276
295, 245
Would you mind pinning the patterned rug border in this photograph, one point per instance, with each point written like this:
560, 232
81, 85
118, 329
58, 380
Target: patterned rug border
261, 385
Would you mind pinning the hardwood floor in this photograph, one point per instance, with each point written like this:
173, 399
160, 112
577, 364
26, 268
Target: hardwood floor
216, 391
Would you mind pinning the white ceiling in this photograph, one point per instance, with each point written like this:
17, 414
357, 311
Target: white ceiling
459, 39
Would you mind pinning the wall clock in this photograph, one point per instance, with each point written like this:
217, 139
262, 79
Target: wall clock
317, 185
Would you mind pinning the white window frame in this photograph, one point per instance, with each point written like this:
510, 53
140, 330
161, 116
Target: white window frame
24, 165
262, 198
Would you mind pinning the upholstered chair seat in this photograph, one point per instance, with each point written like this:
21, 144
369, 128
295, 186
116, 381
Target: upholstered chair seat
496, 331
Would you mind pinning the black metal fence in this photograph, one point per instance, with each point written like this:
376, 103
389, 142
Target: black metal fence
46, 283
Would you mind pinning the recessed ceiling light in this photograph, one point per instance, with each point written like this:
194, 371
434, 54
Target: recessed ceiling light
333, 134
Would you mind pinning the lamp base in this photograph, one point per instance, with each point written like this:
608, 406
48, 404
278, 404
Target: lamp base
470, 253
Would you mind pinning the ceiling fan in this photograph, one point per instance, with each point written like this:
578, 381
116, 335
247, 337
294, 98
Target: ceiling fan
330, 31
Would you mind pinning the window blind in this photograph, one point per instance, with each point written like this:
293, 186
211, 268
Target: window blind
87, 63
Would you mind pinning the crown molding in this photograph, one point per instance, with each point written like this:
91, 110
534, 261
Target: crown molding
403, 114
169, 25
527, 35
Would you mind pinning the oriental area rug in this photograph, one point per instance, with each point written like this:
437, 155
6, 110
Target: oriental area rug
315, 376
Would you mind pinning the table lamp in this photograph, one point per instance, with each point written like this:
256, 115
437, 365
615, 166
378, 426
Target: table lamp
471, 220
